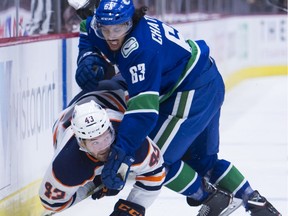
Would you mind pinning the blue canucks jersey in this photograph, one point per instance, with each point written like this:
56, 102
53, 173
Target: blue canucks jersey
156, 62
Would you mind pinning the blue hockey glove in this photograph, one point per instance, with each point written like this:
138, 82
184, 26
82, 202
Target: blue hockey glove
126, 208
90, 70
116, 169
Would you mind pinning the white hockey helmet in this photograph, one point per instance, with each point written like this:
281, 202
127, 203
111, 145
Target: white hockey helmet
89, 120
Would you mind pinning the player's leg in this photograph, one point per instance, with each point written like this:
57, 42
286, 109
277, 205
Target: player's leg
182, 179
223, 174
183, 116
181, 119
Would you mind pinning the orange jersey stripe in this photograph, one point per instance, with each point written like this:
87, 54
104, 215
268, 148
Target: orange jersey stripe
120, 107
152, 178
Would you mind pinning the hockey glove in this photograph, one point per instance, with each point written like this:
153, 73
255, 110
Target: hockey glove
103, 191
116, 169
90, 70
126, 208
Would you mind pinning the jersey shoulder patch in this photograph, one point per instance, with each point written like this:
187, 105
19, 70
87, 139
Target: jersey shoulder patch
129, 46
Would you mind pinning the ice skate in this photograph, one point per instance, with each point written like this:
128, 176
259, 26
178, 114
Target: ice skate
258, 205
216, 203
234, 204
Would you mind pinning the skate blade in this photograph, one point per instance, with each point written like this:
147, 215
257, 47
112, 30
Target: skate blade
235, 204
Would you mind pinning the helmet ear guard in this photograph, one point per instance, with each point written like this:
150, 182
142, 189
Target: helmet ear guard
89, 120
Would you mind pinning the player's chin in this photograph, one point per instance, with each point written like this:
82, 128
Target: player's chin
114, 45
103, 156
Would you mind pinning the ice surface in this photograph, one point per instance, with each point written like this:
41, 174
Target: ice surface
254, 130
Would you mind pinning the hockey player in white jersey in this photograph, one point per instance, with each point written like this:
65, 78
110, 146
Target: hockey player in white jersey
83, 135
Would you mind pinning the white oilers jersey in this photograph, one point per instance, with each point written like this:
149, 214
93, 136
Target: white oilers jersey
69, 178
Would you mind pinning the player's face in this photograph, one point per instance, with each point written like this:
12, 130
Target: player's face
99, 147
114, 35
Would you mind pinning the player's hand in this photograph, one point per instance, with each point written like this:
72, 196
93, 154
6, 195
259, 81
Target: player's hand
90, 71
116, 169
126, 208
104, 191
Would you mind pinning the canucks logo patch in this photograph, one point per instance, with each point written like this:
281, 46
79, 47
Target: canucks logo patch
129, 46
126, 2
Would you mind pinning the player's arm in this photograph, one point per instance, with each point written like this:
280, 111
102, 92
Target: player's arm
150, 175
56, 196
143, 80
91, 66
139, 120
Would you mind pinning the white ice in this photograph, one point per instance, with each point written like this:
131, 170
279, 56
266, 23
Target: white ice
254, 128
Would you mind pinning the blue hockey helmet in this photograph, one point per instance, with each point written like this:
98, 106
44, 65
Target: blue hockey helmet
113, 19
113, 12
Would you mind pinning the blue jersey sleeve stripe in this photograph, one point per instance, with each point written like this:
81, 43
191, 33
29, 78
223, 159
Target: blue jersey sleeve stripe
145, 101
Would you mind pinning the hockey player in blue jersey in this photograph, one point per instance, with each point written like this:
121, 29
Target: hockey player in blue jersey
176, 93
